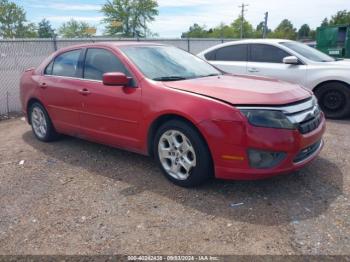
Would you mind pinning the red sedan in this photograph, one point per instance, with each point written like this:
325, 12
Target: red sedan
161, 101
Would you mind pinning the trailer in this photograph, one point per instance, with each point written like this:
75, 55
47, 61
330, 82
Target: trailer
334, 40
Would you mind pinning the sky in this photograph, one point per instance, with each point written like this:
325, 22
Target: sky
176, 16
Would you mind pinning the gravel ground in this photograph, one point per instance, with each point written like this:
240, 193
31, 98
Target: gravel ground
76, 197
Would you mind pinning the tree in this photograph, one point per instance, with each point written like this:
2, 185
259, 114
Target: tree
248, 30
325, 22
284, 30
304, 32
45, 29
28, 31
195, 31
259, 31
13, 23
340, 18
221, 31
129, 18
313, 34
75, 29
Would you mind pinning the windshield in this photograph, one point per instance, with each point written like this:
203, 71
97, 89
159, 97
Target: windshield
308, 52
166, 63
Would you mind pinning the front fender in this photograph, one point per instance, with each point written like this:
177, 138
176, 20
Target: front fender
319, 76
162, 101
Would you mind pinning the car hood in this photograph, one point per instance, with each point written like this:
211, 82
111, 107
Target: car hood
341, 64
243, 90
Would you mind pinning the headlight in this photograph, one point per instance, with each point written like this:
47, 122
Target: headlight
267, 118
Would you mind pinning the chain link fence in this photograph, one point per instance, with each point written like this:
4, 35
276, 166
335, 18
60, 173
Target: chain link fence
19, 54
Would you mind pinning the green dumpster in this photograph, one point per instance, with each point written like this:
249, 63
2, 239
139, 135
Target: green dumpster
334, 40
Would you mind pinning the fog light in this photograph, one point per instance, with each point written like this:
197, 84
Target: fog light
264, 159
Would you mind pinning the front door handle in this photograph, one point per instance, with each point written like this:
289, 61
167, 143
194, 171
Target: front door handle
253, 70
84, 92
43, 85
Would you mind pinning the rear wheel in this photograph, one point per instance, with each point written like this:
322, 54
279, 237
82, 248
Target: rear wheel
41, 123
334, 99
182, 154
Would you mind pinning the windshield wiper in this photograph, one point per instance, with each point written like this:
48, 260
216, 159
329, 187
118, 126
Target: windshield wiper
216, 74
169, 78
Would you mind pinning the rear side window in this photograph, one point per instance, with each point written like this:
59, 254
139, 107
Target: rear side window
232, 53
210, 56
267, 54
66, 64
99, 61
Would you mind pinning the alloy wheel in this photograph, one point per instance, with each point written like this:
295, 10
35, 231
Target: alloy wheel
39, 123
176, 154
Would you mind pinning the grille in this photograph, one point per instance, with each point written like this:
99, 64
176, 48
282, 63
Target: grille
311, 124
307, 152
306, 115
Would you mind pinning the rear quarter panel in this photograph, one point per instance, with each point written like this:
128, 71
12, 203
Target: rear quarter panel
28, 88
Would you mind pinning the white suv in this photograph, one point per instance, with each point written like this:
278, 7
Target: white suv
289, 61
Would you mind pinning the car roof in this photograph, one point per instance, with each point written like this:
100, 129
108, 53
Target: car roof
245, 41
266, 41
111, 44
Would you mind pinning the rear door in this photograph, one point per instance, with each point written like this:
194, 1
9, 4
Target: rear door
267, 60
230, 59
111, 114
60, 84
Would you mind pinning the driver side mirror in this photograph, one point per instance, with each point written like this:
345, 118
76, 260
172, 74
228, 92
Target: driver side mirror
291, 60
115, 79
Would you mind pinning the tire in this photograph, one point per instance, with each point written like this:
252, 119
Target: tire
182, 154
334, 99
41, 123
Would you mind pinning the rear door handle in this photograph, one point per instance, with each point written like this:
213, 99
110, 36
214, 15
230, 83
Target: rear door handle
253, 70
84, 92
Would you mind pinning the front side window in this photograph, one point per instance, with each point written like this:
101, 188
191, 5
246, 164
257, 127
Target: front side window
232, 53
267, 54
99, 61
166, 63
66, 64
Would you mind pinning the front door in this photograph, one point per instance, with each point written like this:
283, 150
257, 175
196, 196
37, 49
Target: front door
267, 60
111, 114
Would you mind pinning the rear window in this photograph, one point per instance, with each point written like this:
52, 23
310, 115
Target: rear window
210, 56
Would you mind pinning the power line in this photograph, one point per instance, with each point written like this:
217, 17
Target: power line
243, 10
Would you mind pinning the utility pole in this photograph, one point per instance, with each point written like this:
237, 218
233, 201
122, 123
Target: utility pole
243, 6
265, 24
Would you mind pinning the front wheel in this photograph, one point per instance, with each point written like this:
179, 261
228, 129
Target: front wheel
334, 99
182, 154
